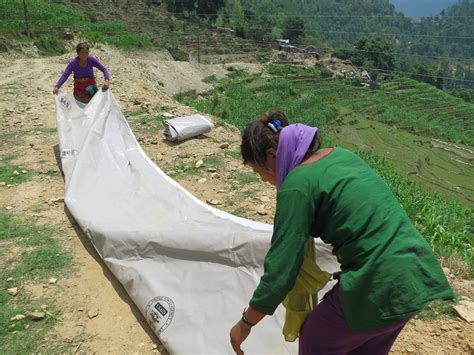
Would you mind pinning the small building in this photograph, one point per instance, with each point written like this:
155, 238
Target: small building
280, 44
311, 52
225, 30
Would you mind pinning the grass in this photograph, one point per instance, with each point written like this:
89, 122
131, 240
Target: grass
139, 27
446, 224
406, 103
9, 157
37, 130
249, 193
240, 212
185, 165
213, 161
38, 207
233, 154
241, 102
299, 71
29, 252
210, 79
138, 112
420, 110
151, 123
413, 155
14, 174
48, 20
244, 177
438, 308
145, 121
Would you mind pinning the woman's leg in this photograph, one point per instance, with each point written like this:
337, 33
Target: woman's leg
380, 344
326, 332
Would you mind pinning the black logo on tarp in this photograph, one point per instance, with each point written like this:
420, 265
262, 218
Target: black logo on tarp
65, 102
160, 312
68, 153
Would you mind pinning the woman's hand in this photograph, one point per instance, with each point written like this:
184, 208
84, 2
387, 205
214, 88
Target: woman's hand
238, 334
55, 91
106, 85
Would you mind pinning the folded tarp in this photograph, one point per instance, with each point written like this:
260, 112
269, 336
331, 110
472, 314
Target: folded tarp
182, 128
190, 268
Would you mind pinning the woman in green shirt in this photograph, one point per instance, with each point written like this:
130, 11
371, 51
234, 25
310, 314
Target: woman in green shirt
388, 271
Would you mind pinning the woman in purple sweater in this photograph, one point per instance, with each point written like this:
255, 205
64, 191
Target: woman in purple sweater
85, 85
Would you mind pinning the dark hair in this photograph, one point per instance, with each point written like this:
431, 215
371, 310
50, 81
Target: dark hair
258, 137
82, 45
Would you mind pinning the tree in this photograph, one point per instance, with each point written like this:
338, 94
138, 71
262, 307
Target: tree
425, 73
209, 8
237, 15
180, 5
293, 29
376, 52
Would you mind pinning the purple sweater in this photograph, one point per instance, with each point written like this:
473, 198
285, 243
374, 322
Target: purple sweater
82, 72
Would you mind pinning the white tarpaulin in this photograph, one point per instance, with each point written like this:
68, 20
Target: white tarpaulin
190, 268
181, 128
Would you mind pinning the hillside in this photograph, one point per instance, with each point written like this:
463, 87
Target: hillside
416, 136
126, 25
85, 286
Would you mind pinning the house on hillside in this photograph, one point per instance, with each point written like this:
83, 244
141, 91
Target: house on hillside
311, 52
365, 74
225, 30
284, 45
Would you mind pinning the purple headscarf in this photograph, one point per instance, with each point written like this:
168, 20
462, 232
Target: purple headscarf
293, 145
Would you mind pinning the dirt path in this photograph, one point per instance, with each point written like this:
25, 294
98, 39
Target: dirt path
27, 121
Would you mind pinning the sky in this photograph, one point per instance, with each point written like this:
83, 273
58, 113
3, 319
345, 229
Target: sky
419, 8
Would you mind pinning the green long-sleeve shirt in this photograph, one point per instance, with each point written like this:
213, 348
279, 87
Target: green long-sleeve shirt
389, 270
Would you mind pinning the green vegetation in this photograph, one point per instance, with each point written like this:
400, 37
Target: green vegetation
447, 225
8, 157
235, 154
438, 308
38, 206
240, 212
310, 97
244, 177
124, 24
47, 24
184, 165
350, 114
36, 130
151, 123
242, 102
14, 174
330, 103
437, 166
435, 50
146, 119
28, 252
213, 161
210, 79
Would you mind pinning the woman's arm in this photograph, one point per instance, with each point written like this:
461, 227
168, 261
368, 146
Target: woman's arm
95, 63
293, 219
65, 76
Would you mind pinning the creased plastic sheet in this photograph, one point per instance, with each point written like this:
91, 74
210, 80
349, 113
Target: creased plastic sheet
190, 268
181, 128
